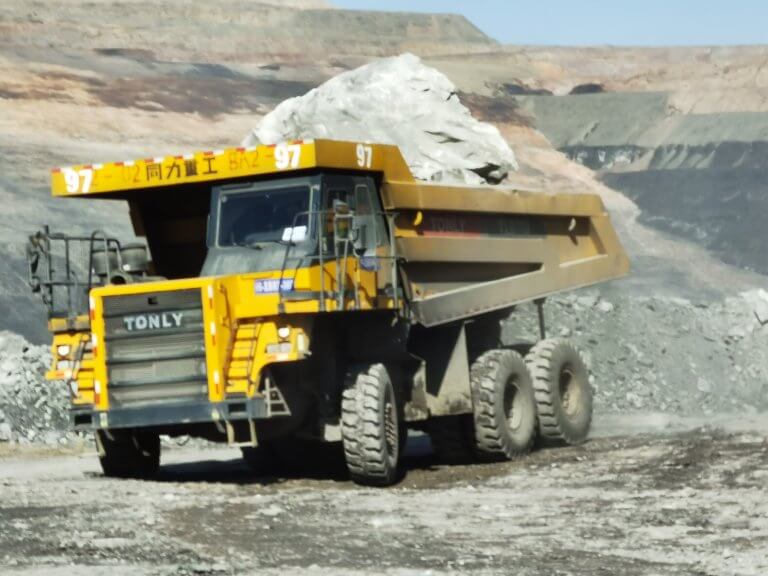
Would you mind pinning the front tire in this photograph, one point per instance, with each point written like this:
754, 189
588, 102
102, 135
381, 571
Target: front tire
128, 454
370, 426
504, 405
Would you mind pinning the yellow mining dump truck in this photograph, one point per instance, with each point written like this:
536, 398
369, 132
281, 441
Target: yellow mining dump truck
315, 290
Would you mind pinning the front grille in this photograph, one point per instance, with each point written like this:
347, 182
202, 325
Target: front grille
155, 346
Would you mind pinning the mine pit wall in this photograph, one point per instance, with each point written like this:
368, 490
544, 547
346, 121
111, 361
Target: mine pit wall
701, 177
241, 31
720, 209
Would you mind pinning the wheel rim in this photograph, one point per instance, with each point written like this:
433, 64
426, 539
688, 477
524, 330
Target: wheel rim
570, 392
513, 404
390, 426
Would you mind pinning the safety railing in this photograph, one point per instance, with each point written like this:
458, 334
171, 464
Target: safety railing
61, 269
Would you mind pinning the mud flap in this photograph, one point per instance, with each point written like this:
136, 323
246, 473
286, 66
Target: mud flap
444, 350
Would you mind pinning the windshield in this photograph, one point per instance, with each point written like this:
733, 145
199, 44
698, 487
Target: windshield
247, 218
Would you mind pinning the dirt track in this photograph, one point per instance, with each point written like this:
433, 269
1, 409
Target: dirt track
692, 502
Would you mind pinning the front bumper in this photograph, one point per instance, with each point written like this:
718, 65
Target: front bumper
169, 414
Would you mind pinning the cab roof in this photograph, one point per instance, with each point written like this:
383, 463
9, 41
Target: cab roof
103, 180
142, 180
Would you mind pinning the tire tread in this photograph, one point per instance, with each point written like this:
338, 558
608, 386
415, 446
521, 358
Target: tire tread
362, 429
490, 437
539, 361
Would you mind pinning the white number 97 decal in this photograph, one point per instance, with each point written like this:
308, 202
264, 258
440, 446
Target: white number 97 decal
78, 180
364, 156
287, 156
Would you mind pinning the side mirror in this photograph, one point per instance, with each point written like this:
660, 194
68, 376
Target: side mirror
295, 234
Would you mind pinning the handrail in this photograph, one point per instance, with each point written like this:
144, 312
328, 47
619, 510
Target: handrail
52, 268
77, 363
251, 354
107, 240
390, 216
339, 294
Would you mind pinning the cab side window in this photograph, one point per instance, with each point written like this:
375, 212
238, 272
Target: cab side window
365, 219
359, 193
331, 198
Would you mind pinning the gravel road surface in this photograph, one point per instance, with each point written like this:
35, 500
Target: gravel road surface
664, 498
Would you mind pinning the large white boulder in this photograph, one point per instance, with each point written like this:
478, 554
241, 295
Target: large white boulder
396, 101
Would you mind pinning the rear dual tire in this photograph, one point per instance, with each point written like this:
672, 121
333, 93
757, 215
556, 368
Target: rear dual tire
562, 390
503, 423
504, 406
515, 399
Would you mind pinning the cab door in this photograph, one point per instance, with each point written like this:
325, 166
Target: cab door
369, 248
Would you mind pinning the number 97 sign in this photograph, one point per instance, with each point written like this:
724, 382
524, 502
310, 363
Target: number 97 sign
364, 155
287, 156
78, 180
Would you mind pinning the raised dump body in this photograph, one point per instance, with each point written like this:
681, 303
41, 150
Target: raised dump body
314, 291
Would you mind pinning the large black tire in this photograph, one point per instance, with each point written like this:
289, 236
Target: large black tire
563, 392
504, 405
129, 454
370, 426
453, 439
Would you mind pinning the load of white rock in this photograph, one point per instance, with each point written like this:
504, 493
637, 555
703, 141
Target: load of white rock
397, 101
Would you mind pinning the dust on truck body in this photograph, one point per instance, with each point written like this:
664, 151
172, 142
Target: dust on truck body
315, 290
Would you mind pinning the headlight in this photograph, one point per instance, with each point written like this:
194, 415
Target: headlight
283, 332
63, 350
281, 348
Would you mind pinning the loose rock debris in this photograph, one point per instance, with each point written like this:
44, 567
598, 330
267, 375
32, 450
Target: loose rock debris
675, 504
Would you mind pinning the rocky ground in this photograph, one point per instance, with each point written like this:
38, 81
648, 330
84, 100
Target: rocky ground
682, 503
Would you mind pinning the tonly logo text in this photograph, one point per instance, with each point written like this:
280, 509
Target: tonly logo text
153, 321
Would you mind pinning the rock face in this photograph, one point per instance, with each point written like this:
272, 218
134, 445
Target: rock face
239, 30
396, 101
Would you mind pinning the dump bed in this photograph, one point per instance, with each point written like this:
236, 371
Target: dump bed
469, 250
